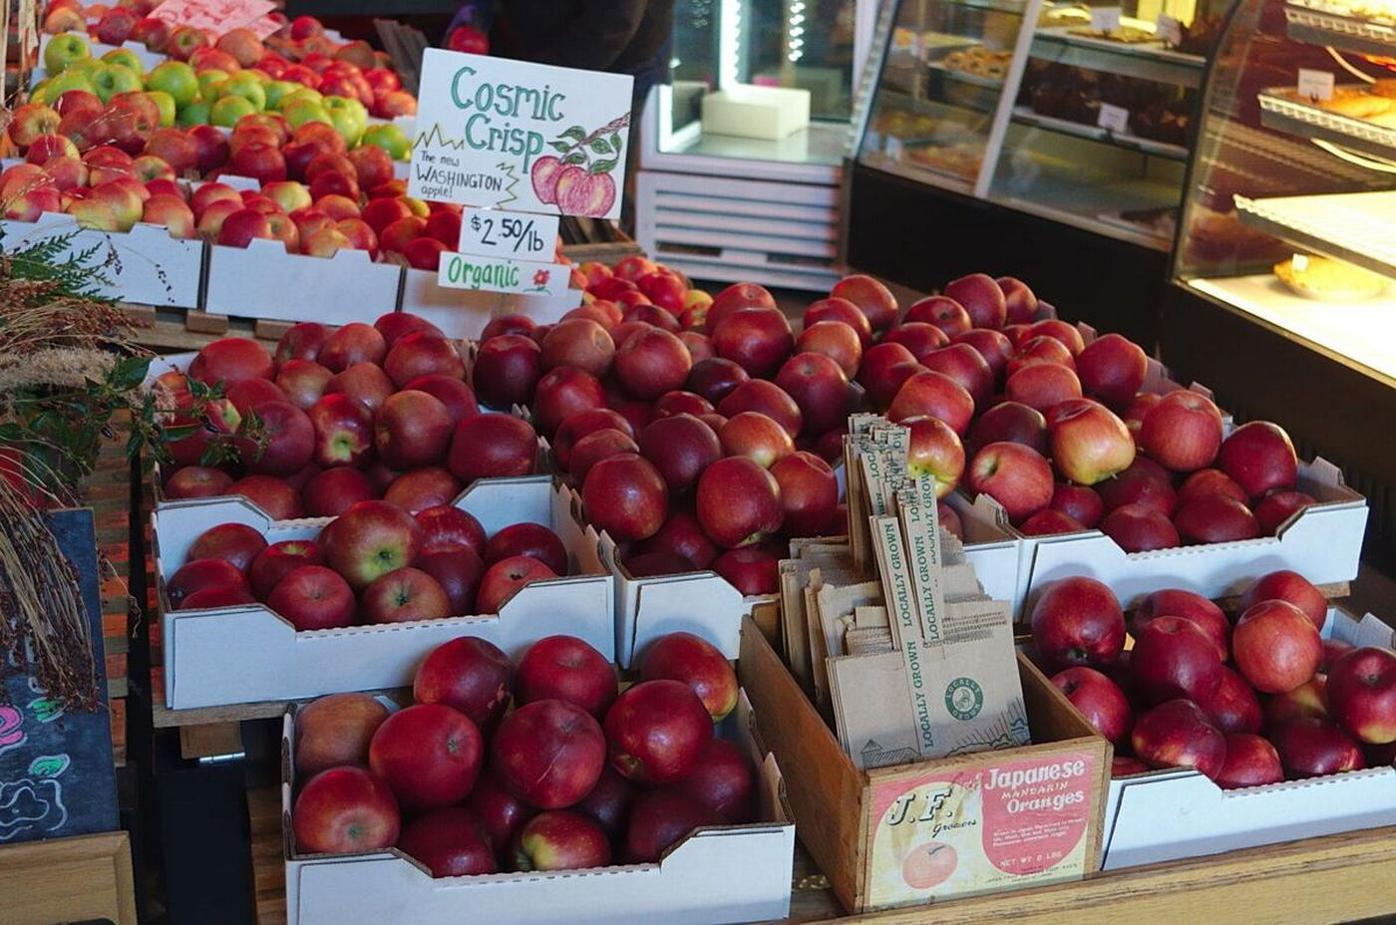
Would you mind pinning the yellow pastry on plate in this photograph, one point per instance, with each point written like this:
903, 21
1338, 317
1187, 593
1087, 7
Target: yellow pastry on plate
1329, 280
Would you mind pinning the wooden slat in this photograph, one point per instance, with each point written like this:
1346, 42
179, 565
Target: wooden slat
68, 880
211, 740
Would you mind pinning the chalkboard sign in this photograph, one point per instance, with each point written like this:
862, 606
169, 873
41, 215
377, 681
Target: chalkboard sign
57, 774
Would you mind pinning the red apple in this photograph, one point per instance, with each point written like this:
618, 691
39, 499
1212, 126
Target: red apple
272, 494
507, 369
560, 840
412, 429
579, 425
650, 362
680, 447
1177, 734
993, 346
625, 496
1015, 476
1362, 694
566, 668
1079, 502
449, 842
722, 781
528, 539
1039, 350
920, 338
492, 446
963, 363
738, 502
578, 342
429, 754
596, 446
770, 399
549, 753
197, 482
1099, 699
302, 381
656, 731
1021, 302
498, 811
752, 570
839, 310
355, 342
873, 299
1277, 507
1176, 602
1215, 519
681, 402
1211, 482
1077, 621
934, 394
459, 572
238, 544
1291, 587
1313, 747
941, 311
1232, 704
1139, 528
335, 730
1112, 369
366, 383
1042, 385
200, 574
422, 353
369, 540
1183, 431
609, 802
681, 535
982, 299
1308, 699
345, 810
1173, 657
1251, 761
733, 299
1012, 422
1276, 646
1049, 522
935, 452
230, 360
1144, 483
470, 674
561, 393
756, 339
1260, 457
660, 819
277, 561
313, 597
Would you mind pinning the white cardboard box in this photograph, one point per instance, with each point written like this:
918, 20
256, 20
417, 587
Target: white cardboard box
752, 111
248, 653
721, 874
150, 267
1171, 814
464, 313
262, 280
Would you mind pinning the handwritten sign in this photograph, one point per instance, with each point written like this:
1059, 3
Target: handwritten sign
1315, 85
56, 767
217, 15
496, 233
497, 133
496, 274
1113, 118
1105, 18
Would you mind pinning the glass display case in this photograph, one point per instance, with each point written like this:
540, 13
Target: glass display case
1290, 218
1078, 114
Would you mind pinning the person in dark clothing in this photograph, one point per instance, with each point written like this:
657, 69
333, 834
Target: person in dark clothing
621, 36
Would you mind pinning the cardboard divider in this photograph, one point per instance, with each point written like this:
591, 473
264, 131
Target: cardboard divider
1178, 813
464, 313
248, 653
881, 836
149, 268
717, 874
262, 280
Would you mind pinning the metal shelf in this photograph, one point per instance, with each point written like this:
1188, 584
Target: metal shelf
1148, 61
1281, 111
1025, 116
1346, 226
1324, 24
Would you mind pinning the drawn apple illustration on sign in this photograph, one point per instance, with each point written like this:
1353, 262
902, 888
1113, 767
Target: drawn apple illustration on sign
578, 178
929, 865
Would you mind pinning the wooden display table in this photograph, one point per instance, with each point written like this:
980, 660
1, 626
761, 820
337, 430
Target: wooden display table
1338, 878
68, 880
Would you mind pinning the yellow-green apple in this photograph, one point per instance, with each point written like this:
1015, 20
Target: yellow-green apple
110, 79
1077, 621
126, 58
62, 50
288, 194
1089, 443
369, 540
1178, 734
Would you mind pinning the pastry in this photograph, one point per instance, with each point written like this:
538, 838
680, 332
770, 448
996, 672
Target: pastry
1383, 88
1329, 280
1361, 106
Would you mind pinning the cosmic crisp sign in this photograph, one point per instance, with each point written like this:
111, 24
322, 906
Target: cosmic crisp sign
502, 134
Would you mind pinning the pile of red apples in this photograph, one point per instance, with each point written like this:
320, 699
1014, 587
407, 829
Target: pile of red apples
374, 563
1247, 701
362, 412
577, 775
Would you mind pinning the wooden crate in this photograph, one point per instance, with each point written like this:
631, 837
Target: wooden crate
68, 880
172, 330
838, 808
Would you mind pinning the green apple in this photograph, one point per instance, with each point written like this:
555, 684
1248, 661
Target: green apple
390, 138
70, 79
228, 110
111, 79
125, 57
301, 93
303, 111
63, 50
40, 93
209, 81
166, 104
177, 79
277, 90
199, 112
349, 118
246, 86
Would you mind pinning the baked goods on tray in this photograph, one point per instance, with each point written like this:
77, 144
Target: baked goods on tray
1329, 280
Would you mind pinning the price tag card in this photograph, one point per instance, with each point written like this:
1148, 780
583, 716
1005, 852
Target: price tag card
1169, 29
502, 274
894, 147
1113, 118
1315, 85
494, 233
502, 134
218, 15
1105, 18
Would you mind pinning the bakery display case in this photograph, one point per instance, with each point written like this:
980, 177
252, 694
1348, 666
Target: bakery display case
1046, 133
1284, 294
741, 155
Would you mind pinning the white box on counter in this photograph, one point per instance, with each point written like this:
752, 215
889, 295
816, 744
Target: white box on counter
718, 874
149, 267
1171, 814
1322, 542
248, 653
262, 280
464, 313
